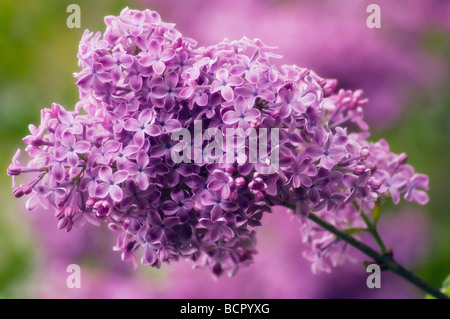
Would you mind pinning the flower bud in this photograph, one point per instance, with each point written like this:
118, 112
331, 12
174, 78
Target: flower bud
359, 169
37, 141
275, 113
59, 214
259, 196
364, 153
18, 192
90, 203
27, 189
103, 208
402, 158
239, 181
70, 211
63, 223
229, 169
255, 123
375, 184
256, 185
14, 170
115, 227
233, 196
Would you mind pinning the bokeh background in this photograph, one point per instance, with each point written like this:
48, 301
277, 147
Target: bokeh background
404, 69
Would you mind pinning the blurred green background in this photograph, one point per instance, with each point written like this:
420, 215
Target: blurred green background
38, 57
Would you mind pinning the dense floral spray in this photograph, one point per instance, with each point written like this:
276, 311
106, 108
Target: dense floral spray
111, 159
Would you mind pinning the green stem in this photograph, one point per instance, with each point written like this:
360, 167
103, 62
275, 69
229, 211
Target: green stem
383, 260
373, 231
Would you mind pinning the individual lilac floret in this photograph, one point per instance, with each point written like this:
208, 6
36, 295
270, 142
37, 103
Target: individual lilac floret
111, 159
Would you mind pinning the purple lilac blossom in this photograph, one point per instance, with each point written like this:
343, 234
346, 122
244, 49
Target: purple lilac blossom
103, 163
332, 38
278, 272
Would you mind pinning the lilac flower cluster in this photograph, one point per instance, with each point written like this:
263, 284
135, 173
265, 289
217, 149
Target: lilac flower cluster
110, 159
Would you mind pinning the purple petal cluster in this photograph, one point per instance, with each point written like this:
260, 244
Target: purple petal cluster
110, 159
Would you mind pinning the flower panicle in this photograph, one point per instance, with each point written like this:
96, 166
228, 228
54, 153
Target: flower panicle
110, 160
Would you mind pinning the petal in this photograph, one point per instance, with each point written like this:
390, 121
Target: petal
314, 151
337, 152
172, 178
187, 92
252, 76
214, 234
231, 117
82, 146
142, 159
227, 93
171, 80
226, 231
172, 125
327, 162
229, 206
105, 173
155, 234
158, 67
126, 61
167, 55
308, 99
177, 195
68, 139
252, 114
116, 193
240, 105
61, 153
222, 75
421, 180
72, 159
120, 176
267, 95
420, 197
131, 125
235, 81
111, 146
139, 139
226, 191
296, 181
306, 180
216, 212
32, 203
395, 196
159, 91
102, 190
152, 130
208, 199
169, 207
150, 256
58, 172
136, 82
350, 180
86, 81
146, 116
147, 60
215, 185
108, 62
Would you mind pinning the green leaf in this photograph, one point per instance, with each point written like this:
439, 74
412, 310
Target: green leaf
376, 213
445, 288
355, 231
